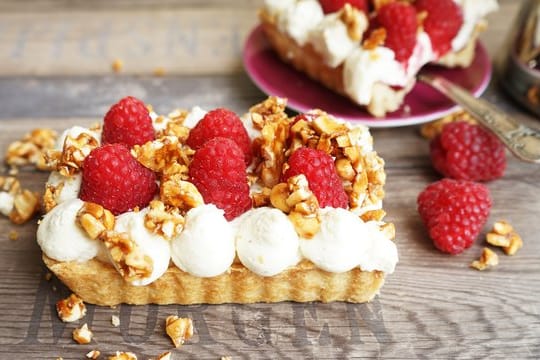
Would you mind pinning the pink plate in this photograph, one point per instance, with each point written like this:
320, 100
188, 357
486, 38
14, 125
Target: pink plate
424, 104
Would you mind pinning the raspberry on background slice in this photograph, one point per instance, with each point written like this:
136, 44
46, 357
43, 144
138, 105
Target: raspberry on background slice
114, 179
320, 171
442, 23
454, 212
468, 152
127, 122
330, 6
221, 123
219, 172
401, 24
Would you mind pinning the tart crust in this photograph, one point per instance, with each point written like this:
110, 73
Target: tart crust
99, 283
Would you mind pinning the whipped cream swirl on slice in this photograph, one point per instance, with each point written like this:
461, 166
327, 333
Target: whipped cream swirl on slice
266, 241
205, 247
61, 238
67, 187
296, 17
473, 12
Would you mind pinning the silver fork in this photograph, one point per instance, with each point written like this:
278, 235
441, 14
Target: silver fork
522, 141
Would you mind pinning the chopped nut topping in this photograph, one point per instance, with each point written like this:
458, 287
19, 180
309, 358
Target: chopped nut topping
375, 39
162, 153
95, 219
296, 199
355, 21
121, 355
503, 235
127, 257
179, 329
93, 354
71, 308
21, 204
75, 150
164, 219
377, 4
83, 335
30, 150
180, 193
431, 129
13, 235
115, 321
487, 259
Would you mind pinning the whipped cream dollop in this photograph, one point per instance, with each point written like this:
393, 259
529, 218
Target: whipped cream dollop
205, 247
61, 238
150, 244
67, 187
266, 241
332, 40
344, 242
473, 11
296, 17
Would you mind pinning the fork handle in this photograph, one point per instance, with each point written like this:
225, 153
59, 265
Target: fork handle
522, 141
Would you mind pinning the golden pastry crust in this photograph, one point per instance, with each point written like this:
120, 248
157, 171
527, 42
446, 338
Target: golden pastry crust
99, 283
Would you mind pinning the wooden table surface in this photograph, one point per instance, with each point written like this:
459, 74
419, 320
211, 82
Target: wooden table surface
55, 71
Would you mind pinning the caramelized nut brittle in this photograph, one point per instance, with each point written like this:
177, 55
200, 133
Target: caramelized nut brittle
179, 329
375, 39
355, 21
95, 219
162, 153
503, 235
83, 335
179, 193
127, 257
165, 356
75, 150
71, 308
487, 259
123, 355
93, 354
164, 219
30, 150
17, 203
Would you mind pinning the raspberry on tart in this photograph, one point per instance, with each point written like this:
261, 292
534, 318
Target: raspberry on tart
454, 212
401, 25
221, 123
468, 152
218, 171
320, 171
330, 6
442, 23
115, 180
127, 122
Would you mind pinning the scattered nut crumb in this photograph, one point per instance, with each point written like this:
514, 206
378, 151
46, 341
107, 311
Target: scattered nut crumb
120, 355
179, 329
115, 321
117, 65
48, 276
83, 335
226, 358
165, 356
159, 71
487, 259
13, 235
71, 308
504, 236
94, 354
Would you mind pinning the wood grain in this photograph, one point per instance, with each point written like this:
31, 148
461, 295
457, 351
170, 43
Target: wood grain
433, 306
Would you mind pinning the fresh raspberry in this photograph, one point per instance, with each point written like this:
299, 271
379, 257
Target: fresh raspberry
127, 122
454, 212
114, 179
401, 24
443, 21
320, 171
330, 6
221, 123
219, 173
468, 152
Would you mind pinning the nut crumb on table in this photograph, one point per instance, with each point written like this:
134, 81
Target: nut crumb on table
179, 329
503, 235
93, 354
83, 335
121, 355
115, 321
19, 204
487, 259
71, 308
